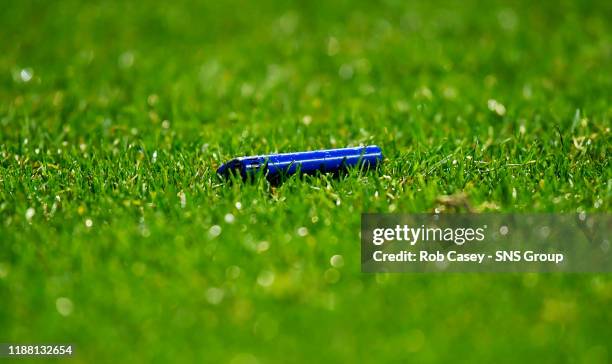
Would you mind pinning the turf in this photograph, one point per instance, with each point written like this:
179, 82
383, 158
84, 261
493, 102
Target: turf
117, 235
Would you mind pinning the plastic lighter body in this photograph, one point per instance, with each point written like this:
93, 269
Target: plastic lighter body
325, 161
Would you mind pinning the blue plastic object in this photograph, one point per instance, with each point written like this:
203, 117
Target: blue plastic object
328, 160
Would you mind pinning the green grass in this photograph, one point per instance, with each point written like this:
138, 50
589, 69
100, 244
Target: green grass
117, 114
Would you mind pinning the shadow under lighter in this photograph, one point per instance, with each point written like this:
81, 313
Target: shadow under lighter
325, 161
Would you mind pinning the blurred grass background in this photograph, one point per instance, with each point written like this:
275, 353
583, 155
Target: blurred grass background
116, 234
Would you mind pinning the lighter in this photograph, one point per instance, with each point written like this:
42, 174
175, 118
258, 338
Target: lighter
325, 161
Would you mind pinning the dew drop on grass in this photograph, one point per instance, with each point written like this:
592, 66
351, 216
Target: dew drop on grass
229, 218
265, 278
144, 230
64, 306
183, 199
337, 261
288, 23
496, 107
544, 232
26, 74
30, 213
214, 231
507, 19
126, 60
214, 295
233, 272
247, 90
449, 92
263, 246
303, 231
152, 100
346, 71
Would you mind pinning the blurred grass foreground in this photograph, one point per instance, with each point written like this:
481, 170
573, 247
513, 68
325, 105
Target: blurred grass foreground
116, 234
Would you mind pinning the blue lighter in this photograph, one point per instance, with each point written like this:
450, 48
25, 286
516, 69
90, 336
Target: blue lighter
327, 160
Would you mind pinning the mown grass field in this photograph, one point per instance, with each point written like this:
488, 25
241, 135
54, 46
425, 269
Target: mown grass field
116, 234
